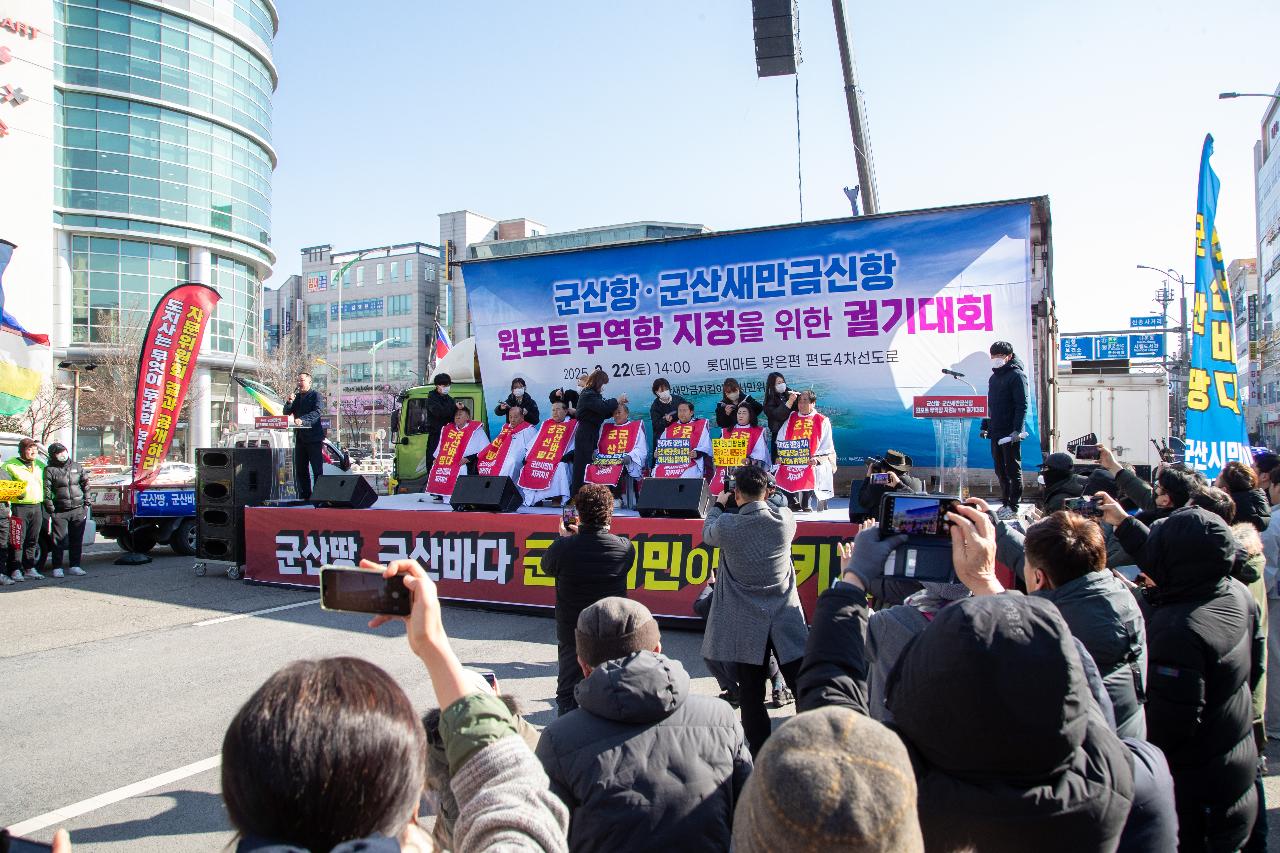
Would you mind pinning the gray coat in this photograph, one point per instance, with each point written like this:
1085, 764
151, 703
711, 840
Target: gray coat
755, 601
1103, 615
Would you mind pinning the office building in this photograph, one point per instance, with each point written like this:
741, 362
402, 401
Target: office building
1266, 163
141, 153
1242, 278
381, 339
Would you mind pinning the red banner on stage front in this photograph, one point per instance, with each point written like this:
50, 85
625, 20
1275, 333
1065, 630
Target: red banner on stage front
490, 558
165, 366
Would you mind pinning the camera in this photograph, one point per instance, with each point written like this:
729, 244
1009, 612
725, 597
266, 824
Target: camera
360, 591
921, 517
1088, 507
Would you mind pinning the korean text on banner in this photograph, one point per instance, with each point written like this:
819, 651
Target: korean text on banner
864, 311
672, 451
1216, 432
730, 452
165, 365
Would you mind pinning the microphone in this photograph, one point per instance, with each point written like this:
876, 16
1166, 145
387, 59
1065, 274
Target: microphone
956, 374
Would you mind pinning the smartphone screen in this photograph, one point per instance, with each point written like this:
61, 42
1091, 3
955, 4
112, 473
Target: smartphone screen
880, 479
916, 515
1088, 451
358, 591
570, 515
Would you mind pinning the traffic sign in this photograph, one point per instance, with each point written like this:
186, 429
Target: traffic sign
1077, 349
1151, 322
1146, 346
1111, 347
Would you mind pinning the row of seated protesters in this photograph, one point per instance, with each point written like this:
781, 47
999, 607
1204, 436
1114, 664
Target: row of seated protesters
591, 438
1091, 713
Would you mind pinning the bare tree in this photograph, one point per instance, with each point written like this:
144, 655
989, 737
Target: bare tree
279, 368
50, 412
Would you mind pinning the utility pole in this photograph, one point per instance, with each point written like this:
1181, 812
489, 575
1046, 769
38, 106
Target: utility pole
857, 116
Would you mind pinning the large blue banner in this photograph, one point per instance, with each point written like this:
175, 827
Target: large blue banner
866, 312
1216, 432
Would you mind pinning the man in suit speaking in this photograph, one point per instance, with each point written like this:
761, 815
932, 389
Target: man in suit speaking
305, 408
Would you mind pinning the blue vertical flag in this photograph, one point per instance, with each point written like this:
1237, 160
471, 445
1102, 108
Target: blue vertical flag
1216, 432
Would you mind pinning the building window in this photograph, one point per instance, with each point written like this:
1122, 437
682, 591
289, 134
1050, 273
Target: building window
116, 283
400, 304
380, 274
408, 270
395, 271
428, 272
359, 276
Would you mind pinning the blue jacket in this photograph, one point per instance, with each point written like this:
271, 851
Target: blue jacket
1007, 399
308, 408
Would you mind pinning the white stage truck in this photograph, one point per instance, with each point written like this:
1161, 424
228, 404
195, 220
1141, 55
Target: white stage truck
867, 311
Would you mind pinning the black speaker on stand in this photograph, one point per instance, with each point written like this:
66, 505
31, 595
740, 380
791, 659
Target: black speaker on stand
228, 479
683, 498
474, 493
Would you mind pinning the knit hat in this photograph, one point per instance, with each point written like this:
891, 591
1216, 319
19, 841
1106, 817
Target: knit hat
1058, 462
829, 779
613, 628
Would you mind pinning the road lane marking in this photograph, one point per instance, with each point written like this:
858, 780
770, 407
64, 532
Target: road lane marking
66, 813
233, 617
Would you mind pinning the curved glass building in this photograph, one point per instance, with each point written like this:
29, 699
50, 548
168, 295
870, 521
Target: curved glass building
162, 173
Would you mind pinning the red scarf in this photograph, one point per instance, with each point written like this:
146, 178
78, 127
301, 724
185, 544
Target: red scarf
799, 478
753, 438
450, 458
616, 442
493, 457
553, 441
690, 432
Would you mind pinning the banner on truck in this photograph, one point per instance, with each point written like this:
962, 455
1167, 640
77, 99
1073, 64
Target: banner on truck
865, 311
165, 366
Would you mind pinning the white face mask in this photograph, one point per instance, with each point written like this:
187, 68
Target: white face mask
997, 362
664, 396
62, 457
444, 389
1040, 479
519, 392
780, 387
733, 395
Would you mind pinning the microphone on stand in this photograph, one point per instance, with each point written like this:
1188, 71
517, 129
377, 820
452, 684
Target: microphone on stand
954, 373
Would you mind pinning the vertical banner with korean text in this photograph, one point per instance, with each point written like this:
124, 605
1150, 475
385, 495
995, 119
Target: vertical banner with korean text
1216, 431
865, 311
165, 365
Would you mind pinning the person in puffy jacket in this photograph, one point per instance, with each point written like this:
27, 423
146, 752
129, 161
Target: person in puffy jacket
66, 502
642, 764
1241, 482
329, 755
519, 398
1204, 658
1060, 482
1006, 416
1067, 564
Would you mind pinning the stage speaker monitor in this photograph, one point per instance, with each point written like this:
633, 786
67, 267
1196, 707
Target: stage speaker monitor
773, 24
343, 491
473, 493
684, 498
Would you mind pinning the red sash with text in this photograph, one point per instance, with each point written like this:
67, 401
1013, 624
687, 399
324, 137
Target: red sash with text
616, 442
490, 460
753, 434
450, 458
795, 474
690, 433
553, 441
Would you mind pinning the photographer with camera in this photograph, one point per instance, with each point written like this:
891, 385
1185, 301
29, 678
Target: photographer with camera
755, 608
890, 473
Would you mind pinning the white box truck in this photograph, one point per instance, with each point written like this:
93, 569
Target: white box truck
1125, 411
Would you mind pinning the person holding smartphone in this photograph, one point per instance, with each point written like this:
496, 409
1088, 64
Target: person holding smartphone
588, 563
888, 473
305, 408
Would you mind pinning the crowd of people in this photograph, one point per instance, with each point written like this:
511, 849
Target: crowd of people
46, 517
591, 438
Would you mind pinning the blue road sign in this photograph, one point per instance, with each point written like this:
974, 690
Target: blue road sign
1151, 322
1076, 349
1146, 346
1111, 346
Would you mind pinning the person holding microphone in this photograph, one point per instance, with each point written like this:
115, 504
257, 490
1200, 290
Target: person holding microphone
305, 408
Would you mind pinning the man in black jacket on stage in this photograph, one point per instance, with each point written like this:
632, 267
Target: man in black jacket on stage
1006, 413
305, 408
441, 409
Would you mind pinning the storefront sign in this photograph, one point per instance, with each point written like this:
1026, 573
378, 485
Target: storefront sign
19, 28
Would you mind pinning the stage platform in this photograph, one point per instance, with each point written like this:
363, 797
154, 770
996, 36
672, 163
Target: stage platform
495, 558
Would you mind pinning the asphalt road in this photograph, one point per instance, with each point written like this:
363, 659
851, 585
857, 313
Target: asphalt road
128, 674
115, 690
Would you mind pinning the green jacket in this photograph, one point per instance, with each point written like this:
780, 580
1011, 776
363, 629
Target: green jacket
33, 477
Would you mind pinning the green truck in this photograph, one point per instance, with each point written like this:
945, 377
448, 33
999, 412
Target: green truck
409, 425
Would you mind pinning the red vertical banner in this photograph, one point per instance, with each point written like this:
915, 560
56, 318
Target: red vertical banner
165, 365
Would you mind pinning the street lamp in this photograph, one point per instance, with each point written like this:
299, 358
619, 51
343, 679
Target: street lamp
1183, 352
1227, 96
75, 388
342, 274
373, 381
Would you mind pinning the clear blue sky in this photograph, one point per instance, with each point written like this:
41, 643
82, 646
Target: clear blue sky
589, 113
